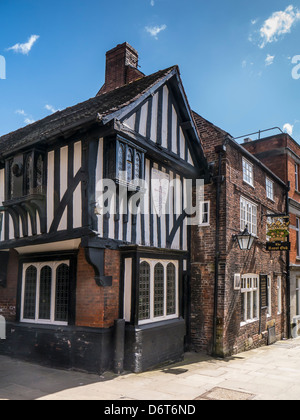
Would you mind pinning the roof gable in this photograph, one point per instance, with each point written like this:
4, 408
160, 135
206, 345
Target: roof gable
93, 110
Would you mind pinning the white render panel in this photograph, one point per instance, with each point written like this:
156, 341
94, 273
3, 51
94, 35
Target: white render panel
50, 190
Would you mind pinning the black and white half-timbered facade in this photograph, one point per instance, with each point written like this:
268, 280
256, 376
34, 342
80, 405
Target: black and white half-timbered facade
94, 229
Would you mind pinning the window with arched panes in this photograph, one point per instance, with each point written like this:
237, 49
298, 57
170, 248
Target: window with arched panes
129, 165
144, 291
28, 174
30, 284
45, 292
171, 289
62, 293
39, 174
158, 290
138, 165
130, 161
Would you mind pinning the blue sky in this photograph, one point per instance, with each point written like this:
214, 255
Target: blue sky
235, 56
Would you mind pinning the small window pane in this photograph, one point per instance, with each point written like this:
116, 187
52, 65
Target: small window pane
158, 290
171, 289
62, 293
129, 165
30, 293
45, 293
144, 292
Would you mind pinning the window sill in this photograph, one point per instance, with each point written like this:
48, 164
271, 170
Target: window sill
157, 320
248, 183
44, 323
251, 321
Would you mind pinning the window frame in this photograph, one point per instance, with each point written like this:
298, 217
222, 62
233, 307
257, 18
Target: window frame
202, 213
153, 263
269, 288
39, 266
296, 177
279, 295
248, 172
250, 286
244, 202
270, 189
298, 236
297, 296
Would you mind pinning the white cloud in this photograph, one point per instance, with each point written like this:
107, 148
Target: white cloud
155, 30
26, 47
51, 109
20, 112
29, 121
27, 118
279, 23
269, 60
288, 128
152, 3
254, 21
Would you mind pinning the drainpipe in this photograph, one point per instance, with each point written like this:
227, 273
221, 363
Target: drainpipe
288, 276
218, 180
119, 346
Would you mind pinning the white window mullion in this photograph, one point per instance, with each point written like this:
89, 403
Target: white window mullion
53, 293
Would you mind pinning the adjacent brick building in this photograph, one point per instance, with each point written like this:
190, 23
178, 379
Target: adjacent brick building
224, 320
281, 153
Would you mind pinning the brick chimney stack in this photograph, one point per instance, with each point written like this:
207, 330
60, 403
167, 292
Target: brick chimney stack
121, 68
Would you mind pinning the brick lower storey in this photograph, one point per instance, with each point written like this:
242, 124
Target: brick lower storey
232, 335
88, 342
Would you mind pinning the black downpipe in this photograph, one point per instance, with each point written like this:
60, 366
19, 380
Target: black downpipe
288, 274
218, 181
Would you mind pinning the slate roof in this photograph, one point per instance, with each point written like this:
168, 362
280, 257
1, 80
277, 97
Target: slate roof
80, 114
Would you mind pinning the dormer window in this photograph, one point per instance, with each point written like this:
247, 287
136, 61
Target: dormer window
125, 161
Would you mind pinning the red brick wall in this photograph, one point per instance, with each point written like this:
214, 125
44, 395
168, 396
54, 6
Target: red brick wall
8, 295
97, 306
231, 336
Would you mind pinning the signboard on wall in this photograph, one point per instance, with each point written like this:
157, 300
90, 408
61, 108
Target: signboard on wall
278, 246
278, 233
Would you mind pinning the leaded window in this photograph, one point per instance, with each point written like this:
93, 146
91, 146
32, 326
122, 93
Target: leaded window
62, 293
30, 292
129, 165
144, 291
158, 290
45, 292
171, 289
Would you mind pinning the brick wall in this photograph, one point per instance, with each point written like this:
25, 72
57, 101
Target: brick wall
97, 306
8, 295
231, 336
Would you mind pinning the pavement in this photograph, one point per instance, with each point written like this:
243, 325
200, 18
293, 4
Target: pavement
268, 373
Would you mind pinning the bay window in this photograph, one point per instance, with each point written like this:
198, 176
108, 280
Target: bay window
158, 290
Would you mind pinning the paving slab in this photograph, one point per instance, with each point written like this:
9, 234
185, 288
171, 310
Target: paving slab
269, 373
